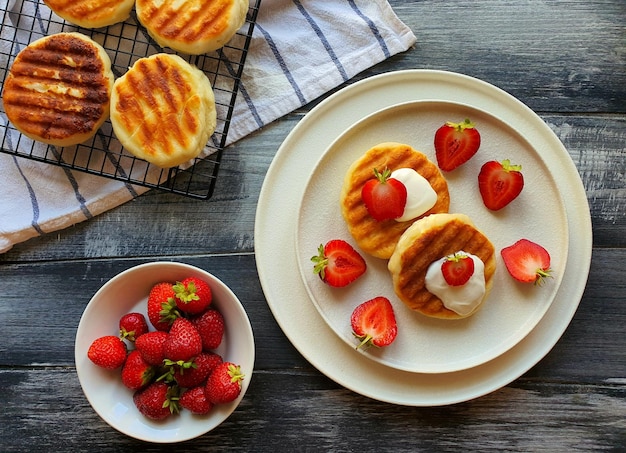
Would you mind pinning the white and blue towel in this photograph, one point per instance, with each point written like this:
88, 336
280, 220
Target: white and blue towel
300, 50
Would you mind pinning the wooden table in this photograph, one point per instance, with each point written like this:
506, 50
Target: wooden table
566, 59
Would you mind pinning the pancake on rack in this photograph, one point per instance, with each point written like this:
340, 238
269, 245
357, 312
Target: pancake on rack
193, 27
92, 13
58, 89
428, 240
163, 110
379, 238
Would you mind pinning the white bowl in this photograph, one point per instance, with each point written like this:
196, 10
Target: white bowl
128, 292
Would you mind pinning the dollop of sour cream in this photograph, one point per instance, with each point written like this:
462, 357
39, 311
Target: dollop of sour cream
461, 299
420, 196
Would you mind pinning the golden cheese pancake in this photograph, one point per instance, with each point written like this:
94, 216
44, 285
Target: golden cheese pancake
192, 26
163, 110
58, 89
92, 13
430, 239
379, 238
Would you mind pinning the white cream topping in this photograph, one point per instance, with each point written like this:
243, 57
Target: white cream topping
461, 299
420, 196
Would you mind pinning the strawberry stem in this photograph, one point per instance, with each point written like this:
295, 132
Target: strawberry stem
466, 124
507, 166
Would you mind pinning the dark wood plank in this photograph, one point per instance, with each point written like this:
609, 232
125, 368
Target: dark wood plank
304, 412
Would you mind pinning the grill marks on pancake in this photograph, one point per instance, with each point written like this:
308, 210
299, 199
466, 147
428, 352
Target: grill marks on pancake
432, 245
379, 238
160, 104
57, 89
84, 9
188, 21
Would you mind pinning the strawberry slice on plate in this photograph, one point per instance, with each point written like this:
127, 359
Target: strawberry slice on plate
527, 262
500, 183
374, 323
338, 263
457, 269
384, 197
455, 144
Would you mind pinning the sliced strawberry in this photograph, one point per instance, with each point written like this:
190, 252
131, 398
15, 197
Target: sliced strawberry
338, 263
384, 197
527, 262
457, 269
455, 144
500, 183
374, 323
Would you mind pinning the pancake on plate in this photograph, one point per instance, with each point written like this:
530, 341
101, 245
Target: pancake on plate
193, 27
58, 89
379, 238
92, 13
426, 241
163, 110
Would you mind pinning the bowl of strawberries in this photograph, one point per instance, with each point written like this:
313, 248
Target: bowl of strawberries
164, 352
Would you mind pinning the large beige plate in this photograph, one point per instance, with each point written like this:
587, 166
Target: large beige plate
287, 296
512, 309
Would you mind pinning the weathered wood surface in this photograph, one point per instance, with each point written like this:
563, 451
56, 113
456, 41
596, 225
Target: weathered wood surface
565, 59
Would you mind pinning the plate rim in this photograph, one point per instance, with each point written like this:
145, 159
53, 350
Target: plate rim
492, 375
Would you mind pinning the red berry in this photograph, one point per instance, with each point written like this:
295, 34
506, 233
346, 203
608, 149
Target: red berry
455, 144
162, 306
195, 401
499, 183
527, 262
132, 326
210, 326
338, 263
157, 401
183, 341
107, 352
457, 269
374, 323
193, 295
136, 373
384, 197
150, 345
198, 371
224, 383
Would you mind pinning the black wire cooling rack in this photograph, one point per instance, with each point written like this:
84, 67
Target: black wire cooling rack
24, 21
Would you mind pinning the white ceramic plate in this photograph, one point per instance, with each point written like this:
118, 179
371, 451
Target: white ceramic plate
511, 310
128, 292
287, 296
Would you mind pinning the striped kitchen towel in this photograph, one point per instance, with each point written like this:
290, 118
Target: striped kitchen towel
300, 50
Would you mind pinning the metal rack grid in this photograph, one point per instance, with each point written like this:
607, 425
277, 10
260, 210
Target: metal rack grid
24, 21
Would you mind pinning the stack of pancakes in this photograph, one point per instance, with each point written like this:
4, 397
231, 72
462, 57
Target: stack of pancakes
412, 246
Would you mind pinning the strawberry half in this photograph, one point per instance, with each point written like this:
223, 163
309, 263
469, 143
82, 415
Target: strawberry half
384, 197
455, 144
500, 183
527, 262
457, 269
338, 263
374, 323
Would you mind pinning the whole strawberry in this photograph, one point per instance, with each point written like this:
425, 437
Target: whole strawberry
183, 341
162, 309
195, 401
383, 196
132, 326
193, 295
224, 383
150, 345
157, 401
136, 373
201, 367
107, 352
210, 325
